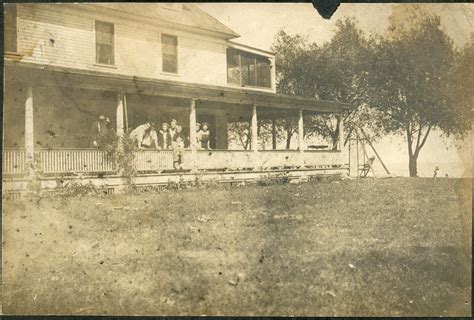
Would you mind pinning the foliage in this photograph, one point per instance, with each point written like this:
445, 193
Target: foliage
122, 151
272, 179
411, 87
335, 71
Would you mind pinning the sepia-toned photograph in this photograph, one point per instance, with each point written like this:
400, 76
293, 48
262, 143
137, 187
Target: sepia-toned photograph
237, 159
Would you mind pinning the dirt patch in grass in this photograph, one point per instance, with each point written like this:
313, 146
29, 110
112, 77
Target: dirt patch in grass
333, 248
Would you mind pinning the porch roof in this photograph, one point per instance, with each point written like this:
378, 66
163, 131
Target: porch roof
47, 75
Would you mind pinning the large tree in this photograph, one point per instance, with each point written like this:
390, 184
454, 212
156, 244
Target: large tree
335, 71
411, 83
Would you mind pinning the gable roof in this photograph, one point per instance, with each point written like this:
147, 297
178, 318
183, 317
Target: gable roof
184, 14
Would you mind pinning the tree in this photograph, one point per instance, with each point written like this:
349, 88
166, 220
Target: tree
410, 83
335, 71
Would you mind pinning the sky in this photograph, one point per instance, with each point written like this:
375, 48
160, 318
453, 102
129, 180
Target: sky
257, 23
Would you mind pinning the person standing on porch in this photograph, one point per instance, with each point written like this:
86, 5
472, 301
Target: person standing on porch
164, 141
204, 136
172, 129
177, 145
144, 135
104, 132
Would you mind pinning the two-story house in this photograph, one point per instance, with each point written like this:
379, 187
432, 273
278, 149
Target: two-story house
66, 65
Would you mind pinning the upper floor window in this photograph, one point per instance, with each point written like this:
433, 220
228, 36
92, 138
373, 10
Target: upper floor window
10, 30
247, 69
104, 43
169, 49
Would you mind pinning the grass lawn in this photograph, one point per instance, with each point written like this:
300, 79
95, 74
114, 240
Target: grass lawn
336, 248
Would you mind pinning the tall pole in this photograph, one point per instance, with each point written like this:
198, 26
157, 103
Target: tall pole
300, 131
301, 136
370, 144
29, 132
119, 115
341, 132
254, 134
192, 133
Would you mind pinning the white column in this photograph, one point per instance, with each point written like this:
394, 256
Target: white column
192, 133
29, 134
254, 135
300, 132
119, 115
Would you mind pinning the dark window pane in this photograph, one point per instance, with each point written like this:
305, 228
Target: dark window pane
233, 66
169, 48
10, 28
248, 70
170, 63
105, 54
104, 38
263, 72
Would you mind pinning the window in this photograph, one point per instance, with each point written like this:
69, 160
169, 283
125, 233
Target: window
247, 69
104, 43
264, 78
10, 28
233, 66
169, 48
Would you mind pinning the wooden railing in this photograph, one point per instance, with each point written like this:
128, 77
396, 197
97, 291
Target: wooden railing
58, 161
153, 160
75, 160
14, 161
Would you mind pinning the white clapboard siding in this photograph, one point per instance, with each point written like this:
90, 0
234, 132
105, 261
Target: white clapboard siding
62, 35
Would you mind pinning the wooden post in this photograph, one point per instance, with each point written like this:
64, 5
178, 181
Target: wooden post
119, 115
341, 132
254, 134
378, 157
29, 133
300, 131
221, 131
192, 133
301, 137
274, 138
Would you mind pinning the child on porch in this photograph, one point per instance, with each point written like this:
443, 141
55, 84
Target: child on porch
177, 146
164, 138
203, 136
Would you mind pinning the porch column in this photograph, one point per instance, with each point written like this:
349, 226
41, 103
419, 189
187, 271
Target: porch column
254, 135
192, 133
301, 137
29, 134
119, 115
300, 132
221, 131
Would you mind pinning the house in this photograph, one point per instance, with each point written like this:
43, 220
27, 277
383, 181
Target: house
65, 65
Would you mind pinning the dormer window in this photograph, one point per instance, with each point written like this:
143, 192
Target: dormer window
104, 43
169, 49
248, 69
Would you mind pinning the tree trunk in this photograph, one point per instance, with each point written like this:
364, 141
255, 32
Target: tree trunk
274, 137
288, 139
412, 165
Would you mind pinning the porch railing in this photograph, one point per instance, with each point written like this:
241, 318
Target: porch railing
58, 161
153, 160
75, 160
14, 161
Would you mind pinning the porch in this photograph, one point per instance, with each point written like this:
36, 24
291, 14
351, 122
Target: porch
51, 112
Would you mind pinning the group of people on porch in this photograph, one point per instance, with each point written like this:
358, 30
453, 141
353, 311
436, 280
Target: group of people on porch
147, 137
170, 136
